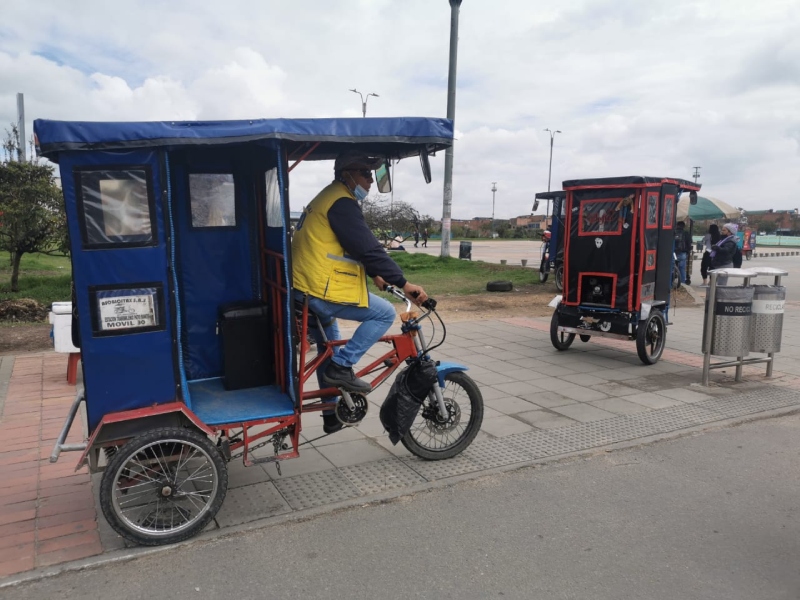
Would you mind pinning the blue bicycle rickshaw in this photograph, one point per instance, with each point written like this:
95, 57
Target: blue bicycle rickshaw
553, 250
191, 344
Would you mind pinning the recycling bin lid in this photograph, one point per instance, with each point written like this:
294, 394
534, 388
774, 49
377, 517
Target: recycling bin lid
735, 272
768, 271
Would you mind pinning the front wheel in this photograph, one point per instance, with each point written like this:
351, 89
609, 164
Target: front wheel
433, 437
560, 278
561, 340
163, 486
651, 337
543, 270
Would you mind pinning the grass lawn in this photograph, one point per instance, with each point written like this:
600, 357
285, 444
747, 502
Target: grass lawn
453, 276
47, 278
44, 278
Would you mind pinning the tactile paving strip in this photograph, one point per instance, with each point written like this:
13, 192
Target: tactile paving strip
539, 444
381, 475
251, 502
752, 402
442, 469
582, 436
316, 489
495, 453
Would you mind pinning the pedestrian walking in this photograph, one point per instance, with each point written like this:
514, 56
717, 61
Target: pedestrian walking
711, 238
425, 238
416, 238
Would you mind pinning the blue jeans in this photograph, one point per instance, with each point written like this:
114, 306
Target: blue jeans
682, 265
375, 321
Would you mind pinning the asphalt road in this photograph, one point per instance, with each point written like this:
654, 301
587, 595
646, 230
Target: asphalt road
714, 515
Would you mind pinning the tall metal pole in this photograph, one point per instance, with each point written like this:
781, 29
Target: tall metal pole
550, 171
494, 189
21, 151
447, 202
696, 173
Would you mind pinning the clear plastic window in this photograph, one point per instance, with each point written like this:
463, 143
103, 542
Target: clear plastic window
274, 212
213, 199
116, 206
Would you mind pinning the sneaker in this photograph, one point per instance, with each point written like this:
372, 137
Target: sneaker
345, 378
330, 424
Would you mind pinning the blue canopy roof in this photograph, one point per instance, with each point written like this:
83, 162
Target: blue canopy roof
392, 137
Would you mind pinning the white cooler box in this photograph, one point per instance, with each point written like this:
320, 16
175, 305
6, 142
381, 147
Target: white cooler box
61, 320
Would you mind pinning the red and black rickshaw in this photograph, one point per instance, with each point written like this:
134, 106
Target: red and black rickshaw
618, 258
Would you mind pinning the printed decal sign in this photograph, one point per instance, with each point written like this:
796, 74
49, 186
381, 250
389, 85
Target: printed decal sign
733, 309
768, 307
126, 312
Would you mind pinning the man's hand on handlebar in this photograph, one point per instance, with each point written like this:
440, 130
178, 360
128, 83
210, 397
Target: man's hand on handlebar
415, 293
380, 283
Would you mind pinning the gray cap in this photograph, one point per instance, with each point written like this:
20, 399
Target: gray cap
356, 160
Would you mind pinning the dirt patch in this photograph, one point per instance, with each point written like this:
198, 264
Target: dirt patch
20, 338
517, 303
22, 309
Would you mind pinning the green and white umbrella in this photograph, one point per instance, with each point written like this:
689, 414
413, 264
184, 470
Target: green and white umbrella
706, 209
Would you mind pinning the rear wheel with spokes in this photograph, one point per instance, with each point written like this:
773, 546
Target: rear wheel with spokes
163, 486
433, 436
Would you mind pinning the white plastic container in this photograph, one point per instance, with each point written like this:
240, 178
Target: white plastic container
61, 320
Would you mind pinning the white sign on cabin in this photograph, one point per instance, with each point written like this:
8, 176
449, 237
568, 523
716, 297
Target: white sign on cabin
127, 312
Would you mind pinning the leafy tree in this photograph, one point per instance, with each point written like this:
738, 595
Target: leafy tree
32, 215
389, 220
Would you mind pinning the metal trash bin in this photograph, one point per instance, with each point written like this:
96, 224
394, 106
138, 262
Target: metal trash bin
465, 250
766, 322
730, 333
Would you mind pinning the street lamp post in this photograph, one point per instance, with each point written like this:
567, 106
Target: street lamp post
550, 171
494, 189
364, 100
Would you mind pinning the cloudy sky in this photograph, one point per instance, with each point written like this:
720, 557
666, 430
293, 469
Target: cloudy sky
637, 87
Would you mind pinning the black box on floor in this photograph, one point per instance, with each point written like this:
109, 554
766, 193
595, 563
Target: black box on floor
248, 358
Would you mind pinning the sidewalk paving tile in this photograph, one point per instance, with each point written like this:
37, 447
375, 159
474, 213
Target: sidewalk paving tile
544, 419
504, 425
582, 412
580, 393
346, 454
548, 399
515, 388
509, 405
619, 406
584, 379
651, 400
683, 395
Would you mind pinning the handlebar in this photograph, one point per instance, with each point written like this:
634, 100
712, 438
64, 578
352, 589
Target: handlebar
429, 304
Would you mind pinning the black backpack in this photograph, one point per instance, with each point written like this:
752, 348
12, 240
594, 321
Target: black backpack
737, 258
679, 245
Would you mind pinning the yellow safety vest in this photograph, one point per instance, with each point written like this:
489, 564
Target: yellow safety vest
319, 265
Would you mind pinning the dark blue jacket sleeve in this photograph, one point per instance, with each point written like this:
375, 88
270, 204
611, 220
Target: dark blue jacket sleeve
347, 222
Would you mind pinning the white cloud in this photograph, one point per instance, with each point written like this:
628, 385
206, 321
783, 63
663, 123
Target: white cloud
650, 88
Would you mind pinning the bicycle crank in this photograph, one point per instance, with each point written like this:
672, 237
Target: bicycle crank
352, 416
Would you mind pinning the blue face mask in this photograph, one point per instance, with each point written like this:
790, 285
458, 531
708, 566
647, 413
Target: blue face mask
360, 193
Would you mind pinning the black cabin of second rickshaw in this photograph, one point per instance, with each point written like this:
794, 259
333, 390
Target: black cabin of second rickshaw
619, 245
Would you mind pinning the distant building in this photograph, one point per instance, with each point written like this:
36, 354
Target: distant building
780, 219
